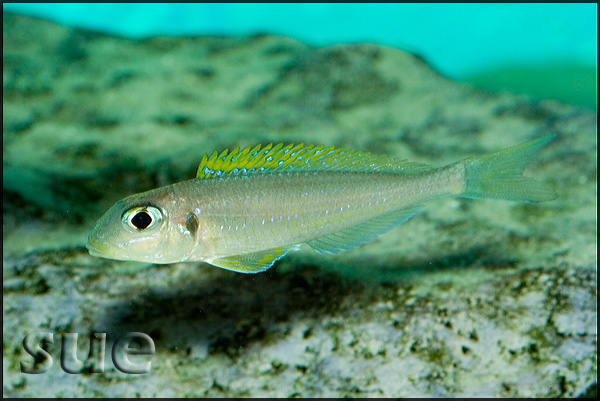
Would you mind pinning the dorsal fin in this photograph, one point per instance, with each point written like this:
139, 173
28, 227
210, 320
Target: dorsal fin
301, 158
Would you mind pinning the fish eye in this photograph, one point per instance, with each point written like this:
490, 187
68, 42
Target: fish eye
142, 218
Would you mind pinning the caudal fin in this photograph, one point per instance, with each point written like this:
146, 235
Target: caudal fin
499, 175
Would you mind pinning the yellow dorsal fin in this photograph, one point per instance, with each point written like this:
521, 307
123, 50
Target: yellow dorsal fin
300, 158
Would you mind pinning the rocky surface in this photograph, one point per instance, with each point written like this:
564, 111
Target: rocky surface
470, 298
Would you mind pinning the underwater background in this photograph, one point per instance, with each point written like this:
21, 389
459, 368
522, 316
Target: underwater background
544, 50
469, 298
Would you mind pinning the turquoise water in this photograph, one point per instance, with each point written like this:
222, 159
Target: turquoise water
497, 46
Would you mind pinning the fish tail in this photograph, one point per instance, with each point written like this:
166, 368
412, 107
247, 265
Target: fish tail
499, 175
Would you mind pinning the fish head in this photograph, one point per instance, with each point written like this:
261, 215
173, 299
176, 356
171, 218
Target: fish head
144, 227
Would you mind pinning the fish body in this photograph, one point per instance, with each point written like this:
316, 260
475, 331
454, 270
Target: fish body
247, 208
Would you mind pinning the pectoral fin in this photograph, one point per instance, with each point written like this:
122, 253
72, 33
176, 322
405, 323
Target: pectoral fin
252, 262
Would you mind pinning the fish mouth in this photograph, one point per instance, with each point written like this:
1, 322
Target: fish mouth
95, 249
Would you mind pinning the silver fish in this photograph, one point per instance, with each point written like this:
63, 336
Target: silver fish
247, 208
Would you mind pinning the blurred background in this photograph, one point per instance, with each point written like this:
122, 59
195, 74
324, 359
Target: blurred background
547, 51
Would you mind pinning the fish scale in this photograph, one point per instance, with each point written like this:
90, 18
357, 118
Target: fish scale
278, 209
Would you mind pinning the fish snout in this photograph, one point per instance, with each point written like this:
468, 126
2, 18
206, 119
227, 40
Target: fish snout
94, 247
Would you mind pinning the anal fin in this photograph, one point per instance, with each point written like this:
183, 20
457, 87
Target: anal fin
255, 262
355, 236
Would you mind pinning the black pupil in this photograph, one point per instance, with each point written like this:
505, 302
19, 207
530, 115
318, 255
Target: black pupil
141, 220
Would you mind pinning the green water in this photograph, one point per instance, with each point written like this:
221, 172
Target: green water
571, 84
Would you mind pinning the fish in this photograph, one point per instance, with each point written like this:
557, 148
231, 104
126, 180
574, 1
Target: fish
247, 208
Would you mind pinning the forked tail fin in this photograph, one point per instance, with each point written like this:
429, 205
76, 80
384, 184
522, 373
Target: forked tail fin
499, 175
